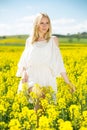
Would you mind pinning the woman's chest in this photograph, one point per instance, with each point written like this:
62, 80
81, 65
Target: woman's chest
40, 54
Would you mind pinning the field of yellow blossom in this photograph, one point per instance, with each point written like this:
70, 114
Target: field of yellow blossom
70, 110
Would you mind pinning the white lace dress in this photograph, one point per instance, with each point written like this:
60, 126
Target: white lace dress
43, 63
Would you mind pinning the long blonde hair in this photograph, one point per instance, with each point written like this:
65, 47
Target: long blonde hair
35, 33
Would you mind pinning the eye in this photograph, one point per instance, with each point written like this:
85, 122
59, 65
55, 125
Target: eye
47, 22
44, 23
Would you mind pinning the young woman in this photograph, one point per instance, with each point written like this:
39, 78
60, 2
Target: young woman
41, 61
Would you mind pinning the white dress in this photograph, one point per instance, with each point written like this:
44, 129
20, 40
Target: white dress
43, 63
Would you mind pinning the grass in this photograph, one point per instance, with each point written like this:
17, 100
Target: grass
12, 41
73, 40
20, 41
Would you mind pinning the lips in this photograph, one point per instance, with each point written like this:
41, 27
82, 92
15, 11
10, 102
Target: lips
44, 29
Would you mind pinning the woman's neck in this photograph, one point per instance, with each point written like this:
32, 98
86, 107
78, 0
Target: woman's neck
41, 37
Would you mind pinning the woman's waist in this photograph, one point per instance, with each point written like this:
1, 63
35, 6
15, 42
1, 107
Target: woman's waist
38, 65
38, 68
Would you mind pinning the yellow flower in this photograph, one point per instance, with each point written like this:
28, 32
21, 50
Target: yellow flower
44, 103
75, 111
61, 103
37, 90
2, 109
15, 106
25, 88
65, 126
44, 122
52, 112
84, 114
83, 128
26, 125
14, 124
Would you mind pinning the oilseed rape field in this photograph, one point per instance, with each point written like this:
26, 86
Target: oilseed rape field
70, 110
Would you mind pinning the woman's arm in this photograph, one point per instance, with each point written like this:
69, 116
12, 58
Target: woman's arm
70, 85
22, 64
24, 75
63, 74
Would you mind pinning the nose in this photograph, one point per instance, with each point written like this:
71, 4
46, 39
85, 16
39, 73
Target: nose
44, 24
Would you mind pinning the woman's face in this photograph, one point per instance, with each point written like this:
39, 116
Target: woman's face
44, 25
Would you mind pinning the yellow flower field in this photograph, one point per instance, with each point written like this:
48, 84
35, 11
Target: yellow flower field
70, 111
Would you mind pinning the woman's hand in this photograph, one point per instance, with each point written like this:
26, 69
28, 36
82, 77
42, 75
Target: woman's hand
24, 77
72, 88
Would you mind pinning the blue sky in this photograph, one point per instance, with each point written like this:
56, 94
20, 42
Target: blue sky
67, 16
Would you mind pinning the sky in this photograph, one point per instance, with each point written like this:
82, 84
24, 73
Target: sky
67, 16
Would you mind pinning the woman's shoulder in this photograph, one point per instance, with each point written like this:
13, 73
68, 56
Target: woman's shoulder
28, 41
55, 39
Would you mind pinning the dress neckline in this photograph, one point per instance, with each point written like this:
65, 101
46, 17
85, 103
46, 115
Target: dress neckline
40, 41
41, 44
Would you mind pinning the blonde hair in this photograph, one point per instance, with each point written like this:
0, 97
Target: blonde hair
35, 33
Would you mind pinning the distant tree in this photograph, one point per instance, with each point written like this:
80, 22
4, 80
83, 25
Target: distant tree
4, 37
70, 38
78, 36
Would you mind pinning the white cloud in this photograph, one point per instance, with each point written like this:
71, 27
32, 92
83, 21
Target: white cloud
4, 26
26, 19
82, 26
63, 21
24, 26
5, 29
20, 26
68, 26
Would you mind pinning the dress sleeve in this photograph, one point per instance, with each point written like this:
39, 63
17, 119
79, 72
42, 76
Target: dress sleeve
57, 64
23, 61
